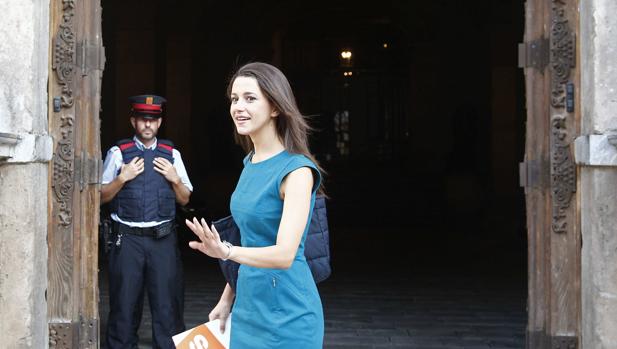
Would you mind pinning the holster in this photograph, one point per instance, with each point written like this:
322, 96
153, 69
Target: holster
106, 232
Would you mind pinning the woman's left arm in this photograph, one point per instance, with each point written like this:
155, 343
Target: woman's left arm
296, 194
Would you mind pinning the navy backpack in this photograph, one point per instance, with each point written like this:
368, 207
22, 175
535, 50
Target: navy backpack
316, 246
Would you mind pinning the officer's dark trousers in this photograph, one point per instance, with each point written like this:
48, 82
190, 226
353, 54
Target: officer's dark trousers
144, 261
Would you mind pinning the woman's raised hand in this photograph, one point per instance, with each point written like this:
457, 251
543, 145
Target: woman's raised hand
211, 243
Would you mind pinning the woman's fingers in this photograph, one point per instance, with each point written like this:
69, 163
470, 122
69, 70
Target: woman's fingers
199, 246
222, 324
207, 232
201, 229
217, 314
196, 228
191, 226
196, 245
210, 238
215, 233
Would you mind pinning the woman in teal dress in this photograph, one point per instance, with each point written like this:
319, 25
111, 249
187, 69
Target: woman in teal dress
277, 304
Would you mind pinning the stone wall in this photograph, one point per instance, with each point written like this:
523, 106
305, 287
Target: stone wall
598, 52
25, 151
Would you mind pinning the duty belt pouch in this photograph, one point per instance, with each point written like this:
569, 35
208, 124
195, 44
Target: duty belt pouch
164, 229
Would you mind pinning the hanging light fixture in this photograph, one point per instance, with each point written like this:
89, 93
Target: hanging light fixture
346, 58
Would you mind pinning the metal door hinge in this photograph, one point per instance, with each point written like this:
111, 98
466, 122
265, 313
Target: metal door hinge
534, 54
66, 335
62, 335
88, 170
90, 57
89, 333
533, 174
564, 342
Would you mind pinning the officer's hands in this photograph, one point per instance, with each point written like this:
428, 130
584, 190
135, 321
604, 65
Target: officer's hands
167, 169
132, 169
211, 243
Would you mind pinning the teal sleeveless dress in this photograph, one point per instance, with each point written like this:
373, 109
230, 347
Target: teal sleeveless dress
273, 308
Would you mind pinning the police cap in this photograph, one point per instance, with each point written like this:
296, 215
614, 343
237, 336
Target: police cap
147, 106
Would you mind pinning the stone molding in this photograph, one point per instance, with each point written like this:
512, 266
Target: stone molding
25, 147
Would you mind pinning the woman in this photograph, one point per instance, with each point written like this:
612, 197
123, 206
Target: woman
277, 304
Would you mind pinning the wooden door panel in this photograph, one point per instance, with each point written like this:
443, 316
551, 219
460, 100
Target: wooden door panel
549, 174
74, 94
565, 230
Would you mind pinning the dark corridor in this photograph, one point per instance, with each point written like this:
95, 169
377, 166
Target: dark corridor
421, 132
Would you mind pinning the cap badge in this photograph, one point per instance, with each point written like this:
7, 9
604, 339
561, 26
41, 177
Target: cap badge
149, 100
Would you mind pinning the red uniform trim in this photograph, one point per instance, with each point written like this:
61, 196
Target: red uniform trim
165, 146
125, 146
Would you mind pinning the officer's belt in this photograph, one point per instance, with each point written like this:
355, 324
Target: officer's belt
158, 231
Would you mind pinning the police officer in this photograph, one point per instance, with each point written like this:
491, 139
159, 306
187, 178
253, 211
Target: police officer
143, 178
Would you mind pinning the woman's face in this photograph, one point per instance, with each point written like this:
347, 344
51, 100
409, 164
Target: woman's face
250, 109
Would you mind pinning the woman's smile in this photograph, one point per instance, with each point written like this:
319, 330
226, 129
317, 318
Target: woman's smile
242, 118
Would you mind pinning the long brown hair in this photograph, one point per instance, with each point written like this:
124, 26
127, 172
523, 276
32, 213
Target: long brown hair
292, 127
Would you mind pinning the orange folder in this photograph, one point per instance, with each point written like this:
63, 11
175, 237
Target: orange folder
204, 336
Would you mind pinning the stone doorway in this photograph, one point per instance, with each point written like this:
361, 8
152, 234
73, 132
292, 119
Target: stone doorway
434, 109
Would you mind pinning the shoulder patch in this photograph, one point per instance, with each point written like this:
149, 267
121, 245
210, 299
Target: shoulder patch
166, 147
166, 142
125, 144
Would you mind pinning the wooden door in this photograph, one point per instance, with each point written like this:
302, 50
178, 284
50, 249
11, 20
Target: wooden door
74, 98
548, 173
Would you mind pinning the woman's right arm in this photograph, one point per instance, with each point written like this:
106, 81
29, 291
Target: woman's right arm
222, 309
296, 195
